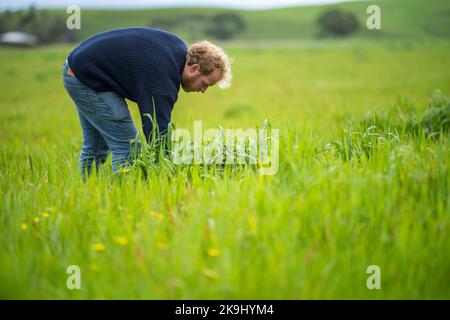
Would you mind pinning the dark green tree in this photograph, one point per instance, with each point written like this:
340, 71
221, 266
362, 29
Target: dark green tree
224, 26
337, 23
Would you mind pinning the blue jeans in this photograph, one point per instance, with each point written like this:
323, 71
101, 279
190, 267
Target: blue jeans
106, 125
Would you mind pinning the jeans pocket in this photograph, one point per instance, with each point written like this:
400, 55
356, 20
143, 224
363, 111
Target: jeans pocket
78, 92
116, 105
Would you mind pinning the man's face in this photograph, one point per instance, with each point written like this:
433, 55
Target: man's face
192, 80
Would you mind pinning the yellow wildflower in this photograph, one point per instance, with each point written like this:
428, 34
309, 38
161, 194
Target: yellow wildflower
98, 246
161, 245
213, 252
45, 214
251, 223
23, 226
121, 241
157, 215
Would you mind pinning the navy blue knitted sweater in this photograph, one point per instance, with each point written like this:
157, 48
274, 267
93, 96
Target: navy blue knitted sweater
143, 65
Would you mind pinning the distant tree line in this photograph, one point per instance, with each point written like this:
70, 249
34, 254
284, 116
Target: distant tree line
48, 28
221, 26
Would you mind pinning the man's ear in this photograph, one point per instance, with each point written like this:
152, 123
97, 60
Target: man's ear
194, 67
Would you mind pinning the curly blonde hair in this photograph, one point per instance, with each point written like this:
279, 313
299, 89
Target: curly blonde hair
210, 57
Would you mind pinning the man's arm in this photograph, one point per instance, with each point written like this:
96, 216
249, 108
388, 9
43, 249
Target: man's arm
157, 106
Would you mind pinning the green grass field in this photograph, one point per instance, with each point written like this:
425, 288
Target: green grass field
310, 231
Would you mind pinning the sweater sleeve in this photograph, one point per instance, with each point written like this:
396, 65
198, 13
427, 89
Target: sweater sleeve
157, 106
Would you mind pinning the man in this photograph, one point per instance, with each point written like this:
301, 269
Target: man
144, 65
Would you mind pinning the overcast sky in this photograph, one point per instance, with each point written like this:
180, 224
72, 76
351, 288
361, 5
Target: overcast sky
243, 4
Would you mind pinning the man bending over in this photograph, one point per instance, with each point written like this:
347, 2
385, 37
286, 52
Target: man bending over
144, 65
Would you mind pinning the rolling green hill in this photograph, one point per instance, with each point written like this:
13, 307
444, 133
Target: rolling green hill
409, 19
